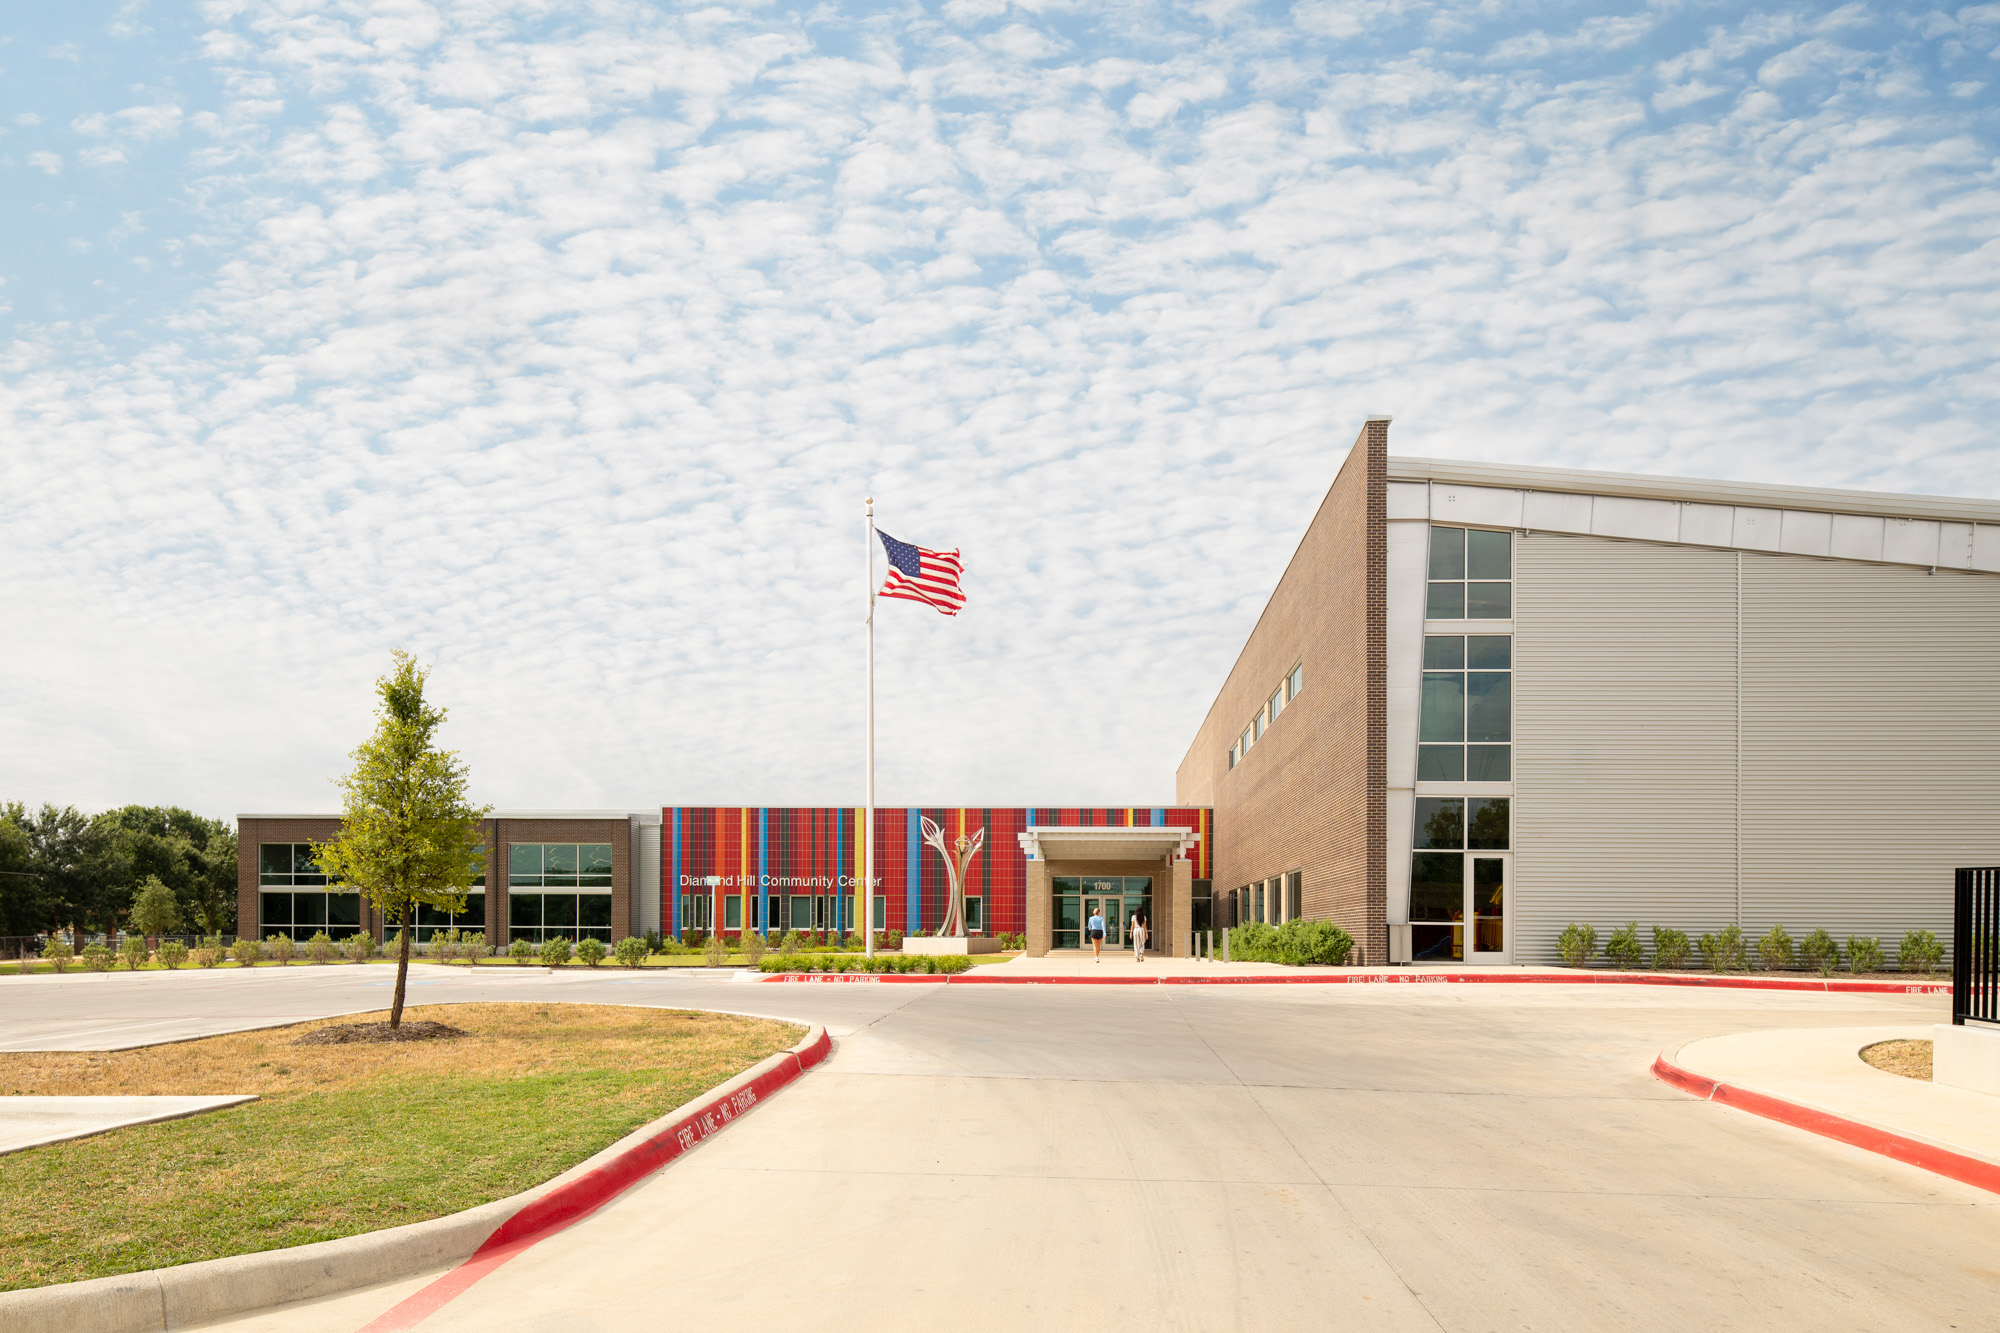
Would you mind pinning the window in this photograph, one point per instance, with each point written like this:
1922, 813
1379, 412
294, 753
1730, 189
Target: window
1465, 726
1245, 741
975, 914
559, 910
1471, 575
1257, 725
1108, 893
306, 912
1295, 906
1447, 827
1276, 704
289, 863
430, 920
1235, 753
1295, 682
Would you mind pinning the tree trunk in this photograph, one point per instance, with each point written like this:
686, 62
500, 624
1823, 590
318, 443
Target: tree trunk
402, 970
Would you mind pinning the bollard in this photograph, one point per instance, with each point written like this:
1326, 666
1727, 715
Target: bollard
1211, 946
1225, 946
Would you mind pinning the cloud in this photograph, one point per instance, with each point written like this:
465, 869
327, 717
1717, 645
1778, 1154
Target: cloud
563, 354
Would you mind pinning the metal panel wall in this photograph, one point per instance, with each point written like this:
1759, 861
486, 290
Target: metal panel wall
1871, 743
1624, 737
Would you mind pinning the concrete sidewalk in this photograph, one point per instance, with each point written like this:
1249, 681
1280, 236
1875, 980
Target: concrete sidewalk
29, 1122
1822, 1069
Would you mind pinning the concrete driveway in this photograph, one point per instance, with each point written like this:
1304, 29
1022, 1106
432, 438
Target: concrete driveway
1459, 1157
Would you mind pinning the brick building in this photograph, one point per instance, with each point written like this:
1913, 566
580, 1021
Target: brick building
1482, 701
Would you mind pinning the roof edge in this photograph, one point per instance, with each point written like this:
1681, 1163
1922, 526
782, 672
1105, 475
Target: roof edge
1515, 476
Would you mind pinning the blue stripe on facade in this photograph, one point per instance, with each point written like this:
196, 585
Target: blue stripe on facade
763, 868
913, 895
675, 895
1159, 816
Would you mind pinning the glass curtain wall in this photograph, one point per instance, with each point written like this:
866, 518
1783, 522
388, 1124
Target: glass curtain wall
294, 899
1442, 897
559, 889
1135, 893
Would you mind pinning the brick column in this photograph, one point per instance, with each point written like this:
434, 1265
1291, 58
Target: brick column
1041, 928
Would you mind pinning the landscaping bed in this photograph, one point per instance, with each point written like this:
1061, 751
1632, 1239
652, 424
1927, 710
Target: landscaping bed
348, 1137
1911, 1059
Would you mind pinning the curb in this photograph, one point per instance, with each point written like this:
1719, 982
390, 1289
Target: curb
164, 1299
1966, 1169
1390, 979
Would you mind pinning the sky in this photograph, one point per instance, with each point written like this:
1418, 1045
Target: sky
561, 343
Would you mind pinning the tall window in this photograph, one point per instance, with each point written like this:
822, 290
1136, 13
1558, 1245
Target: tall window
559, 889
1471, 575
1447, 828
293, 899
1465, 727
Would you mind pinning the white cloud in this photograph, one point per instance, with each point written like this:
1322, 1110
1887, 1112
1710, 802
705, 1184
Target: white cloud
564, 354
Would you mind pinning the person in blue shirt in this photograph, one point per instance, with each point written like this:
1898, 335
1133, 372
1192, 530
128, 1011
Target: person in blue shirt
1095, 929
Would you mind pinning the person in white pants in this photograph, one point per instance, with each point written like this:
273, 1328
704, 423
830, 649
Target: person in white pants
1139, 937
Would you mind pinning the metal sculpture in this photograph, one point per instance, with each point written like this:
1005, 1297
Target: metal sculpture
953, 926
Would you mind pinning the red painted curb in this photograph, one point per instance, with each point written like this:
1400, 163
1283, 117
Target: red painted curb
574, 1200
1974, 1171
1396, 979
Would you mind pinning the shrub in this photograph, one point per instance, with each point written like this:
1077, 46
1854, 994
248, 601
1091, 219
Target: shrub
132, 951
97, 958
57, 953
789, 945
1623, 948
1670, 947
359, 947
172, 954
207, 951
590, 951
472, 944
753, 947
952, 964
554, 952
1723, 950
246, 952
520, 951
892, 939
718, 951
653, 942
632, 951
281, 948
1919, 952
693, 939
1864, 953
392, 947
1295, 944
320, 948
1820, 952
1775, 949
1577, 944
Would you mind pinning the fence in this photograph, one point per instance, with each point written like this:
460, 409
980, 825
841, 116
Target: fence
1975, 946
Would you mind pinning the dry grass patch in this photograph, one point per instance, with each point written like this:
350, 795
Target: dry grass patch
1911, 1059
348, 1137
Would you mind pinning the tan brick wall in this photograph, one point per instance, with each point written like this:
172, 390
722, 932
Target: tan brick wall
1312, 795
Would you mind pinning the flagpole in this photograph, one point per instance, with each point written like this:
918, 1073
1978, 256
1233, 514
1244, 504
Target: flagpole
864, 892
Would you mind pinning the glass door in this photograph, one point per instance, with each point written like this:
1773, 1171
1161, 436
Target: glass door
1486, 904
1113, 911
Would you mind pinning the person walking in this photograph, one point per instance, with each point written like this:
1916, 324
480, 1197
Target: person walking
1139, 937
1095, 926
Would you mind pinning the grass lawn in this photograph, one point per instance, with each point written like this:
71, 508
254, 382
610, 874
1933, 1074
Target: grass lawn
347, 1138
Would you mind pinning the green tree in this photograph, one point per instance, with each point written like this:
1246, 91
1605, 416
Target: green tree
154, 911
22, 911
407, 835
192, 855
77, 868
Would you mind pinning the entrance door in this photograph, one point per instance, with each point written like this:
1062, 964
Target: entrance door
1486, 901
1112, 909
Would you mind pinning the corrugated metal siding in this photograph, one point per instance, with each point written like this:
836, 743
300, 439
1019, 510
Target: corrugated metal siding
1871, 727
1624, 737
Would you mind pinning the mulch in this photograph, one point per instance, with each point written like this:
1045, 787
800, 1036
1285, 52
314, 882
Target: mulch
415, 1030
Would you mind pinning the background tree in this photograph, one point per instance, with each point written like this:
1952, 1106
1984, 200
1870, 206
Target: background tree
78, 868
192, 855
407, 834
22, 911
154, 911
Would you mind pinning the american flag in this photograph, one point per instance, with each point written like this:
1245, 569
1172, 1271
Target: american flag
917, 575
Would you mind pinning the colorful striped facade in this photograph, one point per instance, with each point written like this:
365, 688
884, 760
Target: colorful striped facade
764, 853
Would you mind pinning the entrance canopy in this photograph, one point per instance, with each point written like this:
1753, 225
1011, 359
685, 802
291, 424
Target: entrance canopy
1108, 843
